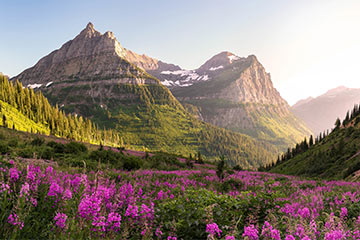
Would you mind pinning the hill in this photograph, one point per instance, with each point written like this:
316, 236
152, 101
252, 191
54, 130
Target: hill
332, 156
23, 109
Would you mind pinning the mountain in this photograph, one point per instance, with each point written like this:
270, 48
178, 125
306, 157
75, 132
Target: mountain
320, 113
231, 92
238, 94
333, 156
92, 75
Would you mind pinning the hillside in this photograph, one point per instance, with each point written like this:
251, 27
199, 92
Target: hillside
23, 109
333, 156
239, 95
91, 76
319, 113
231, 92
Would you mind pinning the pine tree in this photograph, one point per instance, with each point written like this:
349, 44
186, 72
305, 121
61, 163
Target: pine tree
311, 141
337, 123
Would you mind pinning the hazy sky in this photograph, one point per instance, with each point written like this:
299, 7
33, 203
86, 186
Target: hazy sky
308, 46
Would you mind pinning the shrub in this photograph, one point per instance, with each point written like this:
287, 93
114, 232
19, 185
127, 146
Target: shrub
4, 148
58, 147
131, 164
37, 141
75, 147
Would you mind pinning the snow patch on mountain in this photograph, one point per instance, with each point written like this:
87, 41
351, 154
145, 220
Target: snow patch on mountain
216, 68
167, 83
233, 58
35, 85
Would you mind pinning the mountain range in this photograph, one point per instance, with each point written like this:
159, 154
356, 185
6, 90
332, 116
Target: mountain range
321, 112
94, 76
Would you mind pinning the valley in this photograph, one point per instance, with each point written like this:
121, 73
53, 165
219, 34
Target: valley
183, 124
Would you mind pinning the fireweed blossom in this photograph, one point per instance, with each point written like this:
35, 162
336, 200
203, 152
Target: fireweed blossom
251, 233
268, 232
89, 206
14, 220
14, 175
213, 230
132, 211
24, 189
109, 207
60, 220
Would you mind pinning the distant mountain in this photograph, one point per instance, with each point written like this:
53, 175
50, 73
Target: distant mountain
335, 156
231, 92
321, 112
93, 75
238, 94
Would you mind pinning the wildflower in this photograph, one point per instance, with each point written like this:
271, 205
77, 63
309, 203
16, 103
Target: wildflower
305, 212
100, 223
33, 201
54, 189
290, 237
60, 219
89, 206
269, 232
114, 221
14, 175
132, 211
14, 220
24, 189
343, 213
229, 238
67, 194
158, 232
251, 233
335, 235
213, 229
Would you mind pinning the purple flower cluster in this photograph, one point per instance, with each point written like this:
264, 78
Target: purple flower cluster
213, 230
129, 205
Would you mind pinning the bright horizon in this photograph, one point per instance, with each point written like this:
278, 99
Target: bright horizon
308, 47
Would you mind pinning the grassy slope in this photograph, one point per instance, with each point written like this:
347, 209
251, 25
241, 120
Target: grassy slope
151, 118
22, 123
269, 125
335, 157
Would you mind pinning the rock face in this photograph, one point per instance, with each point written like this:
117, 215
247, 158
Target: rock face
91, 74
239, 95
85, 58
321, 112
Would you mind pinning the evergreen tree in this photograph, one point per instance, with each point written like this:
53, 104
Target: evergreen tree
4, 121
337, 123
311, 141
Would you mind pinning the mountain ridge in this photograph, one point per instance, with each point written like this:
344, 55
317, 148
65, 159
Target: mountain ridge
319, 113
90, 76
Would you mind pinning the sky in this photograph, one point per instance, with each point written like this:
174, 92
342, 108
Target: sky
308, 46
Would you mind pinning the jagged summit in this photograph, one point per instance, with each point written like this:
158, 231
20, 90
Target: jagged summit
89, 55
89, 32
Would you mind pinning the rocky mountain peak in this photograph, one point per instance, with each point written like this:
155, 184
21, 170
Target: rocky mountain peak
90, 54
219, 61
89, 32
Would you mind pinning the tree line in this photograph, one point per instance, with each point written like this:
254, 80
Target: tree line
37, 108
350, 118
